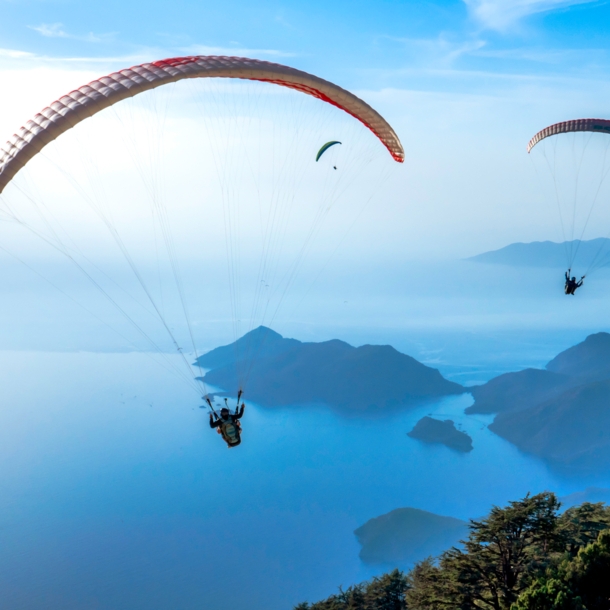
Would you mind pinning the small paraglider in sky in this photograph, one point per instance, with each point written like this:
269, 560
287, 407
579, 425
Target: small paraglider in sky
325, 148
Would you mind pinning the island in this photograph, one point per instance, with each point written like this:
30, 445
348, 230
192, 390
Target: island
432, 430
407, 535
356, 380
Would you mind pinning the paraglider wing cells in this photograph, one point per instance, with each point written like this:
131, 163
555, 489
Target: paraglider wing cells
594, 125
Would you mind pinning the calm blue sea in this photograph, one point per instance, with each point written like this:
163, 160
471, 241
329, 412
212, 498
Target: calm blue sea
114, 494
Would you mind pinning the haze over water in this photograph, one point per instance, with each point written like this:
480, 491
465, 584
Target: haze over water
114, 493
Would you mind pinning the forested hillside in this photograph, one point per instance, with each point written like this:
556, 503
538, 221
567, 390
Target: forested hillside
524, 556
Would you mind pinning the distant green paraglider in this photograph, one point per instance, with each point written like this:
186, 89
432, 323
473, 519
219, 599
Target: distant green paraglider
325, 148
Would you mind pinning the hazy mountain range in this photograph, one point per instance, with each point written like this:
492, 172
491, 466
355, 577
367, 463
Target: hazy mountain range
547, 253
283, 371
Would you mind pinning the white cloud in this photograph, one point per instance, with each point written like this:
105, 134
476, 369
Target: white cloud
538, 55
502, 14
14, 54
15, 57
438, 51
56, 30
24, 59
50, 30
198, 49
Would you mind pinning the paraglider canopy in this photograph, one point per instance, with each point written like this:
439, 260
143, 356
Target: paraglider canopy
242, 173
325, 148
593, 125
573, 159
99, 94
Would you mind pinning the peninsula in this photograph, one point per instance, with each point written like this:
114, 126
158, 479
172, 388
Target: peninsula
560, 413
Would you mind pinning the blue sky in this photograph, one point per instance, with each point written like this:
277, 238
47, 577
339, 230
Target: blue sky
464, 83
380, 44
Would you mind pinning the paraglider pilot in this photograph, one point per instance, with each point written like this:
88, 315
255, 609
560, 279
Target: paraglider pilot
228, 424
571, 283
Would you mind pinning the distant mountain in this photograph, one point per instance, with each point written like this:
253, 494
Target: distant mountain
407, 535
561, 414
356, 379
432, 430
544, 253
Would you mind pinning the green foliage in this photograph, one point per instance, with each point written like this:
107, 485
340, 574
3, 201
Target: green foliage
386, 592
427, 586
548, 594
525, 556
581, 525
589, 573
575, 583
497, 560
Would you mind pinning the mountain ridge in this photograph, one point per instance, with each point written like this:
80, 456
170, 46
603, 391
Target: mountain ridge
546, 254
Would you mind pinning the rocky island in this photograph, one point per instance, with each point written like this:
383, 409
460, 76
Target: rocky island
432, 430
406, 535
365, 379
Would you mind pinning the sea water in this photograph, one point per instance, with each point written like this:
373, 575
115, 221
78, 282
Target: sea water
115, 494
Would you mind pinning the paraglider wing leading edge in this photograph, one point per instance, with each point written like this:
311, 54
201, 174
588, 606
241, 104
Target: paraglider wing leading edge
99, 94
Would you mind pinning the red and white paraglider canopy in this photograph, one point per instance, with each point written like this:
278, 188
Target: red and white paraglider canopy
99, 94
593, 125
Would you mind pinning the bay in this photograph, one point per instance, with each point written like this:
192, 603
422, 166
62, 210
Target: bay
114, 492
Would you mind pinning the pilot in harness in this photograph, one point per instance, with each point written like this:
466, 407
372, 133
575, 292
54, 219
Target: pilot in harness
227, 424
